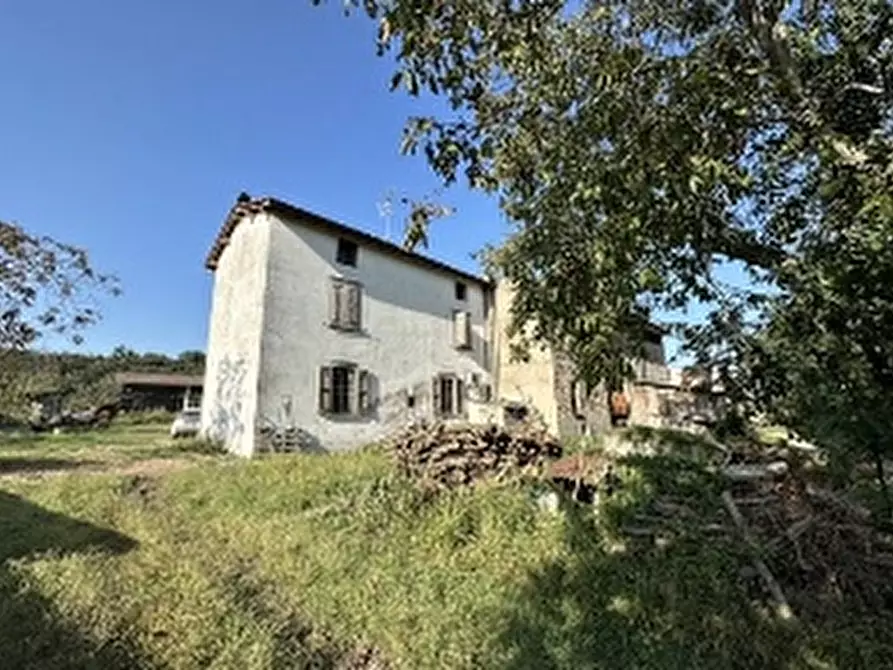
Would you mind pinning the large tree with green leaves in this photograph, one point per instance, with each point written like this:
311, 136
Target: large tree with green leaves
638, 145
46, 287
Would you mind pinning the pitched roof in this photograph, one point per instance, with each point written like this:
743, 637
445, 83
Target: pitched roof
158, 379
246, 205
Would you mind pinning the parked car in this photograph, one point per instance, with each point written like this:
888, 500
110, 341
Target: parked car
186, 423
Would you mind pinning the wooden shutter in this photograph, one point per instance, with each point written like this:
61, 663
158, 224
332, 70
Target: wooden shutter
353, 307
336, 299
459, 389
468, 337
364, 390
325, 390
435, 396
462, 329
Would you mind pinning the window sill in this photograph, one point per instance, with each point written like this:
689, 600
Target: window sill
347, 330
347, 418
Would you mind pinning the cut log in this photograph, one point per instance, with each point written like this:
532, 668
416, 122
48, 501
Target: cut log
748, 472
782, 608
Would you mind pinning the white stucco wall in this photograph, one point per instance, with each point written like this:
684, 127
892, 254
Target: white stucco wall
230, 395
406, 335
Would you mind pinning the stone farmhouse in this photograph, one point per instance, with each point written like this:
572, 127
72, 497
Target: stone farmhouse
329, 338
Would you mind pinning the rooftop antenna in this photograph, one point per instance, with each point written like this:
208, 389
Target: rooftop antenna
385, 210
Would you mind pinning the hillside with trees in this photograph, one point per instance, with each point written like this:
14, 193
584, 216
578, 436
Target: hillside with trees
82, 380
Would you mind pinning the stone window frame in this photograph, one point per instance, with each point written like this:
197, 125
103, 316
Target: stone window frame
345, 390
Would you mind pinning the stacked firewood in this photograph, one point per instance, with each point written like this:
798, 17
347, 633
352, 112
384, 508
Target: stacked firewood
449, 455
820, 545
810, 547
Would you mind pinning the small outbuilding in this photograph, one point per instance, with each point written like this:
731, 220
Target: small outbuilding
140, 391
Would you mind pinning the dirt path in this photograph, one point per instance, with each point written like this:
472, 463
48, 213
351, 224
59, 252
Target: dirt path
150, 467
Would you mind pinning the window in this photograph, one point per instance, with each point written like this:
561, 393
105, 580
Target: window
345, 308
192, 399
347, 252
344, 390
448, 396
462, 330
461, 291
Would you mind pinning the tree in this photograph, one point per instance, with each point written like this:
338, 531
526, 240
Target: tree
821, 358
639, 145
46, 286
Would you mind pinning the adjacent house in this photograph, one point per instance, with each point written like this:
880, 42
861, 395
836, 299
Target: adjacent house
334, 338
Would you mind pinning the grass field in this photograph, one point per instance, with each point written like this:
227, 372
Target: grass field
118, 446
302, 561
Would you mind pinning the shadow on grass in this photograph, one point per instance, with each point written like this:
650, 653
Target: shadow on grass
32, 633
613, 602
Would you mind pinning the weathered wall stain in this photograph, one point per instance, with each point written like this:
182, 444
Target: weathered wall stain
227, 422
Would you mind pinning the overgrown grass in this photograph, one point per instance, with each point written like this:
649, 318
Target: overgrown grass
115, 446
227, 566
143, 417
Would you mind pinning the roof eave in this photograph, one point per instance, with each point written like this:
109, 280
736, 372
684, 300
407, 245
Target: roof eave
245, 205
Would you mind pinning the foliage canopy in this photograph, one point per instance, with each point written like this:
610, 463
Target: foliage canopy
638, 146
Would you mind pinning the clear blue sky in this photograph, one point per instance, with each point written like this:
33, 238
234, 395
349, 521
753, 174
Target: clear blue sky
129, 128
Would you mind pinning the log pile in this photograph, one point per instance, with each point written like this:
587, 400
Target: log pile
820, 546
450, 455
809, 547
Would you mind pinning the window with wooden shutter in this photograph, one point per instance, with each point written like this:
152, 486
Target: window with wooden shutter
448, 393
345, 390
462, 330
